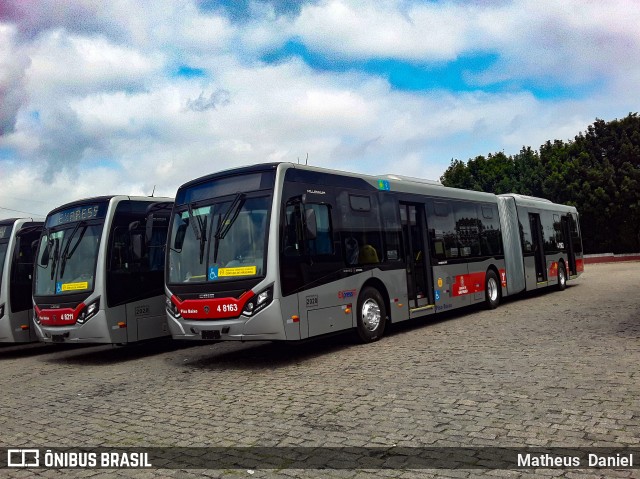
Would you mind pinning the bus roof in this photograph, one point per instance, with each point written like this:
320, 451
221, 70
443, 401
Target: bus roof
94, 199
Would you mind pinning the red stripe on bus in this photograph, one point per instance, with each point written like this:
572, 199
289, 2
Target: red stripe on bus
212, 308
580, 265
59, 317
468, 284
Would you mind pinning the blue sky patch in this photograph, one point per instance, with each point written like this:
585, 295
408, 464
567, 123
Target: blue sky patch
185, 71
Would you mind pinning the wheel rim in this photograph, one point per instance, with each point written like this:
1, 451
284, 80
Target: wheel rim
492, 289
563, 279
371, 315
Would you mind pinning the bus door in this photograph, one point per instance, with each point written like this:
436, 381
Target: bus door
568, 244
538, 247
419, 274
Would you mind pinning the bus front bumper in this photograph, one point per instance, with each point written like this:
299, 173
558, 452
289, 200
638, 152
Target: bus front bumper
267, 325
95, 330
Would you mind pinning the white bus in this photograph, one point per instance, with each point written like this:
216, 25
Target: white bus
18, 237
99, 271
289, 252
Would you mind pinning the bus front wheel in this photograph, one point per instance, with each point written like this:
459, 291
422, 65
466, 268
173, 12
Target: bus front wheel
372, 315
492, 290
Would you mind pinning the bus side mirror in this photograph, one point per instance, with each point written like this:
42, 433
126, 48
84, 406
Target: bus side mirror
180, 234
136, 246
311, 231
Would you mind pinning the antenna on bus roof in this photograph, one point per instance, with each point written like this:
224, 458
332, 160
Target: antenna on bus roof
154, 190
306, 161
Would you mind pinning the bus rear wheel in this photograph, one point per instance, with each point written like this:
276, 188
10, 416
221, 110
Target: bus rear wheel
562, 277
492, 290
372, 315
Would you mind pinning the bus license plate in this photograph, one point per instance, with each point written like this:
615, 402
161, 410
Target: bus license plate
211, 334
57, 338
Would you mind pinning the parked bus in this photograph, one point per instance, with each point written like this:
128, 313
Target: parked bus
288, 252
17, 239
99, 271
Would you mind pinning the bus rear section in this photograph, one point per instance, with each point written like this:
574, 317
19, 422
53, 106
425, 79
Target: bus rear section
18, 240
543, 243
99, 271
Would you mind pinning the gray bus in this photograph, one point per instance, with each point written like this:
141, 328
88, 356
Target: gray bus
17, 239
288, 252
99, 271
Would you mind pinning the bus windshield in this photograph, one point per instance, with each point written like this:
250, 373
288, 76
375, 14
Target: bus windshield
3, 254
66, 261
220, 241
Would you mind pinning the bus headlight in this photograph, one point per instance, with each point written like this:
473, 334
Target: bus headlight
172, 308
88, 312
258, 302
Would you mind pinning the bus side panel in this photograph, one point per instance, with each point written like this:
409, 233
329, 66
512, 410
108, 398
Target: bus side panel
512, 245
328, 308
116, 334
450, 282
11, 330
148, 318
530, 273
395, 282
289, 308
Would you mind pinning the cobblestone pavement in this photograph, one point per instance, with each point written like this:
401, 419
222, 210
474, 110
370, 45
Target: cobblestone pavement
549, 369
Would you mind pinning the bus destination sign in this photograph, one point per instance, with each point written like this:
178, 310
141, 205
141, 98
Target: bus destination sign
79, 213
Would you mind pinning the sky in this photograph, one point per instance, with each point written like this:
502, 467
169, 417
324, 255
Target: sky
138, 97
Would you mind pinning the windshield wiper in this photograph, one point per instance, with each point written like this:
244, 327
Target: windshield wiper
56, 252
225, 223
199, 229
65, 253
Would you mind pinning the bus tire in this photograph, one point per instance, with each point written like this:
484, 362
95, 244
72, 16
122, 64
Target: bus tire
371, 315
492, 291
562, 277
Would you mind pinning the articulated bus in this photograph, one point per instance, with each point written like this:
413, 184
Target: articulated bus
99, 271
17, 239
288, 252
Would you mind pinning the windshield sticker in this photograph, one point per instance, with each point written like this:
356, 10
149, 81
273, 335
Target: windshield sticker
216, 272
62, 287
213, 273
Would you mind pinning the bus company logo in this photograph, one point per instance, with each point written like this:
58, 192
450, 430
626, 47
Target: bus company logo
206, 310
462, 288
23, 458
349, 293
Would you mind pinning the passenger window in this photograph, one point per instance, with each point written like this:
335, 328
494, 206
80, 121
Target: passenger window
361, 230
323, 242
294, 237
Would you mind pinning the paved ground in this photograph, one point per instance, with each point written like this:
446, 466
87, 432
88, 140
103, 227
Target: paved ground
552, 369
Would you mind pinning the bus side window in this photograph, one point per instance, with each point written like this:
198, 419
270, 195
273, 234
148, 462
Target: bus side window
295, 241
323, 242
361, 229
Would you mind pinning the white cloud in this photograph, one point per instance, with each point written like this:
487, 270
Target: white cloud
360, 29
98, 108
13, 64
